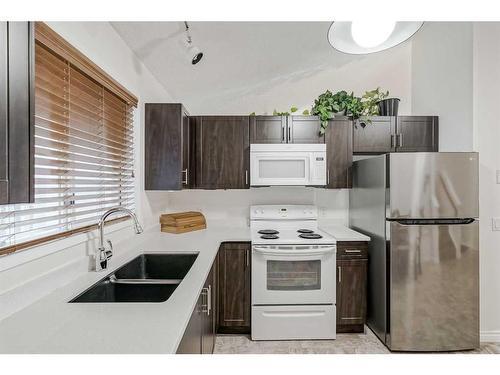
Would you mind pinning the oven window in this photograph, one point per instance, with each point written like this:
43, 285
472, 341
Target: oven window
269, 168
293, 275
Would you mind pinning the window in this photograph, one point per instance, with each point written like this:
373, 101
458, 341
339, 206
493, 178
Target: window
84, 147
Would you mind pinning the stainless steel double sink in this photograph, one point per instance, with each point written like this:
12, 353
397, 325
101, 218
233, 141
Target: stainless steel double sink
146, 278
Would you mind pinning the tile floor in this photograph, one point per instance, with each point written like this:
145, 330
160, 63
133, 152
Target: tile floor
344, 344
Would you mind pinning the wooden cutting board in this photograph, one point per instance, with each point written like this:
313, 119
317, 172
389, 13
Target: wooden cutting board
182, 222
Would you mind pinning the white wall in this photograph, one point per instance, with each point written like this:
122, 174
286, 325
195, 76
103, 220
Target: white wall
231, 207
441, 80
486, 140
391, 70
28, 275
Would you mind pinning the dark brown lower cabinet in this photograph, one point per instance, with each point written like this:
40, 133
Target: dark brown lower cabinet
352, 269
209, 311
199, 336
234, 265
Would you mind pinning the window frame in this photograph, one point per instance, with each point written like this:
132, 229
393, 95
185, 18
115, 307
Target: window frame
51, 40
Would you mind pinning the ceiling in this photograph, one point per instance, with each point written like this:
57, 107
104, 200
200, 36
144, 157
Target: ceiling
240, 58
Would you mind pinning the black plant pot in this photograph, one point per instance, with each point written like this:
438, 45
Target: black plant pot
388, 107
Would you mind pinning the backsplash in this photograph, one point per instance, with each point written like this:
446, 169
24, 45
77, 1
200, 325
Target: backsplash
232, 206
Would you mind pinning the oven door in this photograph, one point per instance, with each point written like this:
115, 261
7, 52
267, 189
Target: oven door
280, 168
293, 274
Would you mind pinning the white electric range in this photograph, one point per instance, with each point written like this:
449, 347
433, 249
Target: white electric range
293, 274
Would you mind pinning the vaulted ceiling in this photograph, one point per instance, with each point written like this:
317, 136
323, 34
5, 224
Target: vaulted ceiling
240, 58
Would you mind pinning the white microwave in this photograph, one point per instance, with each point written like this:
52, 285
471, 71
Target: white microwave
288, 164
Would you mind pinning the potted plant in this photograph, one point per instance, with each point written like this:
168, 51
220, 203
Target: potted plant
371, 100
329, 104
386, 106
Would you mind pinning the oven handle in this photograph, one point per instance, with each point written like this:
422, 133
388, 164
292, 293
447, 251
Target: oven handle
267, 251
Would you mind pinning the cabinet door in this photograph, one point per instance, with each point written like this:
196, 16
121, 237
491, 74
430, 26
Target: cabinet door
417, 133
222, 152
234, 288
351, 291
191, 340
304, 129
377, 137
20, 110
163, 146
338, 138
4, 146
187, 151
209, 313
267, 129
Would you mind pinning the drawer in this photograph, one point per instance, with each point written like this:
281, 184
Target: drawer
296, 322
352, 250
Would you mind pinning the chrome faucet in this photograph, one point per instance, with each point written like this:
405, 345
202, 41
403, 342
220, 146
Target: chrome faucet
102, 255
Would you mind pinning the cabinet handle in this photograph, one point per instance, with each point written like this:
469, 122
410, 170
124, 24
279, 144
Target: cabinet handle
283, 134
328, 177
185, 180
204, 300
353, 251
289, 134
246, 177
340, 274
392, 140
400, 139
209, 299
247, 258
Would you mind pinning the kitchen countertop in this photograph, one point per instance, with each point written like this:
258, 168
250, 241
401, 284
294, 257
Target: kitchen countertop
51, 325
343, 233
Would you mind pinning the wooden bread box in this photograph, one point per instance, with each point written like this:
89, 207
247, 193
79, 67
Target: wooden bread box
182, 222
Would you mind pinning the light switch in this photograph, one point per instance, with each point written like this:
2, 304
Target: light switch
495, 224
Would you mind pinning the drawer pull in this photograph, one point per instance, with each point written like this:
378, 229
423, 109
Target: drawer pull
353, 251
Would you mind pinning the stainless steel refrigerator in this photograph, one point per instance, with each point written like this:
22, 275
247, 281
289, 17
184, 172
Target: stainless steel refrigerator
421, 211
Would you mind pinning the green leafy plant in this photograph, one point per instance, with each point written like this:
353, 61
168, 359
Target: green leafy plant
329, 104
293, 109
370, 100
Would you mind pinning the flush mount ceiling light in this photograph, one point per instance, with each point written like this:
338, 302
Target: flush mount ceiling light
362, 37
194, 53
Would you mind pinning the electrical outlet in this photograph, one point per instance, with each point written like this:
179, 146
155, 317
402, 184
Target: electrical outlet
495, 224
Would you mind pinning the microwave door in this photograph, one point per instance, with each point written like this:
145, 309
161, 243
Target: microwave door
271, 169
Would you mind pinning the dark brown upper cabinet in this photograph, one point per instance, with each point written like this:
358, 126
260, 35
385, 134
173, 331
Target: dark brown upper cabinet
338, 139
396, 134
234, 269
285, 129
16, 112
304, 129
168, 147
222, 152
417, 134
375, 137
268, 129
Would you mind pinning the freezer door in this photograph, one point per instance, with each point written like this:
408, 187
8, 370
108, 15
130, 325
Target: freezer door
433, 185
434, 287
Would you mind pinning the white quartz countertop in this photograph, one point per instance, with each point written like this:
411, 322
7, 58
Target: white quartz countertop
343, 233
52, 325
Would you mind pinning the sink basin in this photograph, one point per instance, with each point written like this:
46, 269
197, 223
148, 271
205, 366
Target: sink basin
146, 278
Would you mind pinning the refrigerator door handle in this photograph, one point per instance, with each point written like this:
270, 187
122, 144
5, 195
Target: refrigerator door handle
459, 221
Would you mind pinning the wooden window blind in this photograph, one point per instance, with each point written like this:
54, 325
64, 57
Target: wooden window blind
84, 150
